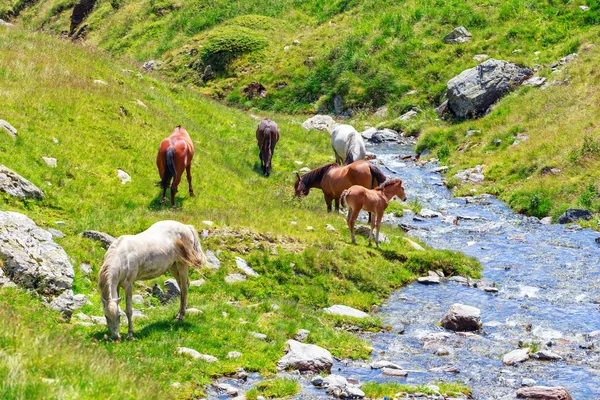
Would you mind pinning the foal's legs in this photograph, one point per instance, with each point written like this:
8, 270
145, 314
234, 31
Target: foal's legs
378, 225
188, 170
129, 308
351, 219
371, 231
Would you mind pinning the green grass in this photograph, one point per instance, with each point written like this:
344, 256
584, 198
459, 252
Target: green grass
274, 389
379, 390
48, 92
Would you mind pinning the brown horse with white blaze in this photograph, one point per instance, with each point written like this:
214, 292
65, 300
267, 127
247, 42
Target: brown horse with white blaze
267, 136
174, 156
375, 201
333, 179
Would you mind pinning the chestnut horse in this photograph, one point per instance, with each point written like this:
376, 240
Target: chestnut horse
333, 179
375, 201
267, 136
175, 155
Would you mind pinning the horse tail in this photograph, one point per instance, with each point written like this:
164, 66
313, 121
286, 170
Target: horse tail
349, 152
266, 151
376, 176
170, 171
343, 197
191, 253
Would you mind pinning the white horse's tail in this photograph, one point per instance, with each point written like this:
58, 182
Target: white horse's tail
192, 252
350, 149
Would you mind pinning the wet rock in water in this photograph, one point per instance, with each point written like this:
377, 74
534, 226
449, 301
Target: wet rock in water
516, 356
544, 393
384, 364
471, 175
234, 278
573, 215
381, 135
458, 35
473, 91
491, 289
527, 382
546, 221
345, 311
317, 381
227, 389
393, 372
426, 213
440, 170
546, 355
305, 357
244, 267
442, 351
301, 335
364, 230
338, 387
462, 318
17, 186
429, 280
101, 237
461, 280
258, 335
212, 260
320, 123
8, 128
445, 369
197, 355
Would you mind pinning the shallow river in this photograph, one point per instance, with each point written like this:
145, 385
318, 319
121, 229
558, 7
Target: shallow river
548, 281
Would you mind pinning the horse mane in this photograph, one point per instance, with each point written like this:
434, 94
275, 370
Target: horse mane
316, 175
351, 144
388, 183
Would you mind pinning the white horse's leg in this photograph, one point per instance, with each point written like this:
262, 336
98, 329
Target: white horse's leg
180, 272
129, 308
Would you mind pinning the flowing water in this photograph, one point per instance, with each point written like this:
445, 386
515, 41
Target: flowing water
548, 281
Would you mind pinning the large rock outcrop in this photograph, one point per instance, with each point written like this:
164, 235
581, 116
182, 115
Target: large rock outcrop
320, 123
17, 186
574, 215
473, 91
305, 357
32, 260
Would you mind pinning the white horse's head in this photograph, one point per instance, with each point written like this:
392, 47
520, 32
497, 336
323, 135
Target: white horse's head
113, 316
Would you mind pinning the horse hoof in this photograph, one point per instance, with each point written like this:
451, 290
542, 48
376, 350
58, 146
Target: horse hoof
192, 194
130, 337
162, 201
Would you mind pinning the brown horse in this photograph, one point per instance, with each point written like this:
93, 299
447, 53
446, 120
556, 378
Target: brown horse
267, 135
376, 201
333, 179
175, 155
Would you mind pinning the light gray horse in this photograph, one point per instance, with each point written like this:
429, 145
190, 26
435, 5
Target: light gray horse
165, 246
347, 144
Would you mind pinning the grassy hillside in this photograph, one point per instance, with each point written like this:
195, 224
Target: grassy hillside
370, 52
556, 165
48, 92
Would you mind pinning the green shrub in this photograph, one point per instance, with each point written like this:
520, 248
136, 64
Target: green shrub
226, 44
274, 389
443, 152
588, 196
539, 205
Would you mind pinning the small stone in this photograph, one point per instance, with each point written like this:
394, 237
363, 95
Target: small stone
172, 288
480, 57
124, 176
330, 228
345, 311
584, 8
102, 237
137, 299
98, 320
429, 280
8, 128
544, 392
546, 355
85, 268
176, 385
208, 223
442, 351
310, 228
458, 35
414, 245
246, 269
296, 42
384, 364
233, 354
305, 357
257, 335
234, 278
317, 381
100, 82
546, 221
394, 372
516, 356
193, 311
462, 318
535, 81
56, 234
55, 140
212, 260
304, 170
301, 335
527, 382
195, 354
140, 103
491, 289
197, 283
286, 48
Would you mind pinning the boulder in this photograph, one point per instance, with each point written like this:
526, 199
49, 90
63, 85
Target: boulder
244, 267
574, 215
67, 302
8, 127
516, 356
172, 288
338, 387
429, 280
374, 135
305, 357
462, 318
458, 35
320, 123
473, 91
544, 393
471, 175
345, 311
17, 186
101, 237
212, 260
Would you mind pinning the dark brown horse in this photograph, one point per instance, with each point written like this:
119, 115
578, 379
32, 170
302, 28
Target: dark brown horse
267, 136
333, 179
175, 155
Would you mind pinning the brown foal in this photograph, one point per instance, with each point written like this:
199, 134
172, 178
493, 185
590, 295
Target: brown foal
376, 201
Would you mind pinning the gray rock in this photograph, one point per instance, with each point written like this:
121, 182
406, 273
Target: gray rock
17, 186
461, 280
228, 389
516, 356
462, 318
338, 104
8, 127
100, 82
440, 170
546, 355
442, 351
234, 278
426, 213
212, 260
51, 162
301, 335
429, 280
573, 215
101, 237
195, 354
408, 115
471, 175
4, 23
384, 364
124, 176
31, 258
317, 381
480, 57
320, 123
98, 320
338, 387
305, 357
394, 372
150, 65
193, 311
137, 299
414, 244
381, 111
382, 136
244, 267
527, 382
458, 35
345, 311
233, 354
535, 81
473, 91
546, 221
258, 335
197, 283
172, 289
544, 392
67, 302
56, 234
563, 61
364, 230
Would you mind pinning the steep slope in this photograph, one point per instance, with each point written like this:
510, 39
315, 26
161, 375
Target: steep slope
90, 112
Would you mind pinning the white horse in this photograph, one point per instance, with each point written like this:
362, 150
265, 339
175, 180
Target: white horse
165, 246
347, 144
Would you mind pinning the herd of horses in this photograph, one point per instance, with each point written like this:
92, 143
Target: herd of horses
172, 246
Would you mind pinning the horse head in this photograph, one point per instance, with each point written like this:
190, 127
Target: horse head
300, 188
399, 190
113, 316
